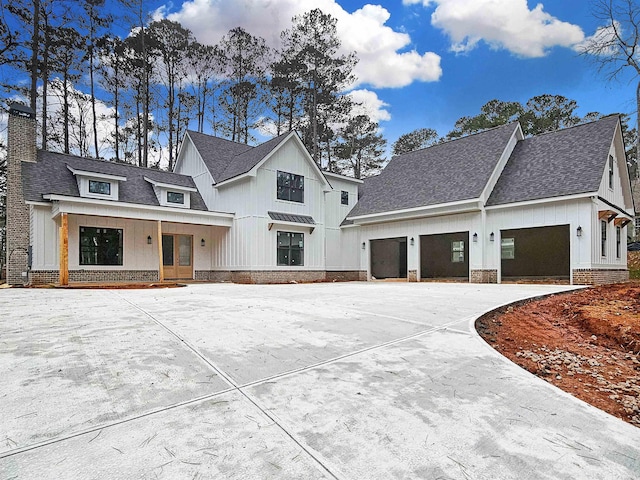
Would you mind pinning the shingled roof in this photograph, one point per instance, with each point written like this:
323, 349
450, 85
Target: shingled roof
448, 172
226, 159
51, 176
560, 163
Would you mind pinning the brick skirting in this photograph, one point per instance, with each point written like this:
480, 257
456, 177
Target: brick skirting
484, 276
350, 276
41, 277
599, 277
213, 276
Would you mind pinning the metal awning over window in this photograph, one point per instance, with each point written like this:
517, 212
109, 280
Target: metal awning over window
278, 218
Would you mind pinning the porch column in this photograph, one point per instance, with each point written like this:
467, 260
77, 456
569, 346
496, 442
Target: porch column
160, 263
64, 249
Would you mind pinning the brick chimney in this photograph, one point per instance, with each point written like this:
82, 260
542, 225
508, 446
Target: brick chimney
21, 148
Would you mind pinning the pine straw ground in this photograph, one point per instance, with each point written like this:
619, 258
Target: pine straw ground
586, 342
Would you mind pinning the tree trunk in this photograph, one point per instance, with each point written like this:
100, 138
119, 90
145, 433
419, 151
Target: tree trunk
93, 103
637, 127
35, 46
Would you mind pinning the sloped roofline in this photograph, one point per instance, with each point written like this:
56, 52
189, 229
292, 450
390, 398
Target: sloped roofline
253, 170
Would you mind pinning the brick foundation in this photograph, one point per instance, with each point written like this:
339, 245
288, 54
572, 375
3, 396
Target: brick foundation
213, 276
484, 276
599, 277
277, 276
43, 277
412, 275
350, 276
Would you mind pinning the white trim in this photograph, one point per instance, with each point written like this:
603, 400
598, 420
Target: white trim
170, 186
105, 176
39, 204
107, 208
526, 203
342, 177
254, 170
438, 209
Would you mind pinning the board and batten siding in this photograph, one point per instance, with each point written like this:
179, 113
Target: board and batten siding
191, 164
617, 195
463, 222
44, 239
562, 212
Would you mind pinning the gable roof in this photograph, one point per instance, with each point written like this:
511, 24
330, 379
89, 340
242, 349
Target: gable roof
449, 172
565, 162
51, 176
226, 159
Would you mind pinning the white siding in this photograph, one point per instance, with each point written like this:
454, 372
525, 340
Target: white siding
190, 163
44, 239
574, 213
343, 249
471, 222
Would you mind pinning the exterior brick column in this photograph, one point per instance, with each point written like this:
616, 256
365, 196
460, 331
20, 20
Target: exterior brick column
21, 148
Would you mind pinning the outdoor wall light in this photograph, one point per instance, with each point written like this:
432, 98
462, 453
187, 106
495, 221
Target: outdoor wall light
202, 242
579, 231
475, 238
412, 241
149, 240
492, 237
364, 245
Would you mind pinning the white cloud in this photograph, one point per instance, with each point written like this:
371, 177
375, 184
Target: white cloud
503, 24
602, 42
369, 104
384, 62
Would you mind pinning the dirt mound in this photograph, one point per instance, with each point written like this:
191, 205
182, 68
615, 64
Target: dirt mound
586, 342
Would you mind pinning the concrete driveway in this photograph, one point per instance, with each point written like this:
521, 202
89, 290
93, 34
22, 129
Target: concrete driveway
337, 381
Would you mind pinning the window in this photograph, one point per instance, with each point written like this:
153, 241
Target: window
610, 171
290, 249
102, 188
603, 236
457, 251
175, 197
344, 198
618, 241
100, 246
290, 187
508, 248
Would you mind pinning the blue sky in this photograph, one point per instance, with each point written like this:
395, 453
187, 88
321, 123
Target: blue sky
505, 49
426, 63
484, 49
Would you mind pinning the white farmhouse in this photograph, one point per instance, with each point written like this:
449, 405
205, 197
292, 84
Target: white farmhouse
489, 207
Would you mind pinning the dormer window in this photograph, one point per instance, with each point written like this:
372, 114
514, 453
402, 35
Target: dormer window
101, 188
175, 197
170, 195
97, 185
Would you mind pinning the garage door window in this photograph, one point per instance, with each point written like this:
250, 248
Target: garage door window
508, 248
290, 249
457, 251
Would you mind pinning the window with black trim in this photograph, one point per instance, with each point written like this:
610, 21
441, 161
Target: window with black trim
290, 249
175, 197
610, 171
101, 188
618, 241
603, 238
457, 251
290, 187
100, 246
344, 198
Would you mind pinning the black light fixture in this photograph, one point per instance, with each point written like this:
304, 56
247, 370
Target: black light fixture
579, 231
492, 237
149, 240
412, 241
364, 245
475, 238
202, 243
